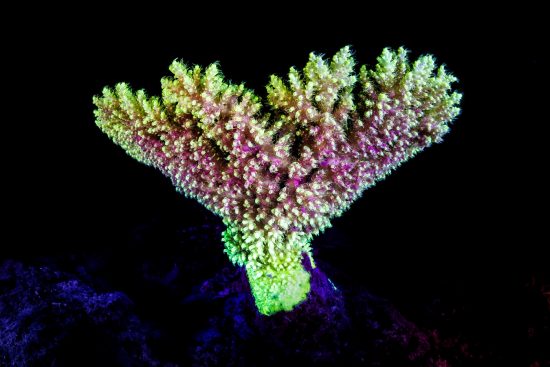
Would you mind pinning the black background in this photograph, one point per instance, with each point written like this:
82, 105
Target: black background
470, 211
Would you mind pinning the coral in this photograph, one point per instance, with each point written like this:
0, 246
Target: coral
278, 174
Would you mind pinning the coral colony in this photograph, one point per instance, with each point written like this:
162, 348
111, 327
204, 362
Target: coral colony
278, 171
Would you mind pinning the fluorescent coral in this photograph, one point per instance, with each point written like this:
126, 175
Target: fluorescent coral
278, 172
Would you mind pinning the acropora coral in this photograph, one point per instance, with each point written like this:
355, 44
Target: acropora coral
277, 171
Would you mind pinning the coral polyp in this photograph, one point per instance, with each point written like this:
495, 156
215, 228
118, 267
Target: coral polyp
278, 170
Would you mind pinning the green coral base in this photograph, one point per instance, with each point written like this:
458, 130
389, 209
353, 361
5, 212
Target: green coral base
278, 291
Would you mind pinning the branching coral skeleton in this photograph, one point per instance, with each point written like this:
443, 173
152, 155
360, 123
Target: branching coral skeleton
278, 171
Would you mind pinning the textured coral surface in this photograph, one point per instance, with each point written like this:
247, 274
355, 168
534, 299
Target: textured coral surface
156, 302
